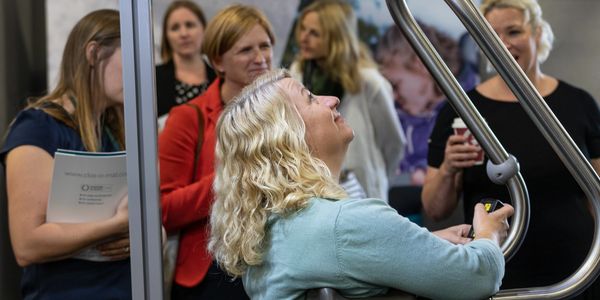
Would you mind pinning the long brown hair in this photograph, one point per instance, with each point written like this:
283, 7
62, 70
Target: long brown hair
166, 52
81, 81
346, 54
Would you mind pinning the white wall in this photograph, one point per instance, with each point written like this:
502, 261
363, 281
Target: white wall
61, 16
281, 13
576, 54
575, 58
60, 21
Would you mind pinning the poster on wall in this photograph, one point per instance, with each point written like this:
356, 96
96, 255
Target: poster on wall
417, 98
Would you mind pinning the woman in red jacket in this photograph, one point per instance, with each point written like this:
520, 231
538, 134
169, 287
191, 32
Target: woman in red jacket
239, 43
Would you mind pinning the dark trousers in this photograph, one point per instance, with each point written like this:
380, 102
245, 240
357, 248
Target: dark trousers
216, 285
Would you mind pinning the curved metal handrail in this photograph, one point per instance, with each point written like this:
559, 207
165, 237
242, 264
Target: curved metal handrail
468, 112
537, 110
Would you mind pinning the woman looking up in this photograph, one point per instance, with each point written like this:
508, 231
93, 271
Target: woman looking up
283, 223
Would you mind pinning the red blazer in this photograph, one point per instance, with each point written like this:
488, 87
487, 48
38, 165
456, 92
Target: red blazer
185, 204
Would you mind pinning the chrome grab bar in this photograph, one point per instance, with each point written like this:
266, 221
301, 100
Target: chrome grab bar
537, 110
467, 111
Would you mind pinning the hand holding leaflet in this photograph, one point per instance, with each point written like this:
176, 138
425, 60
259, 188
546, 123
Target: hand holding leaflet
86, 187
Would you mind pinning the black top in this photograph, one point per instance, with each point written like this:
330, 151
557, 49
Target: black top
34, 127
561, 225
166, 86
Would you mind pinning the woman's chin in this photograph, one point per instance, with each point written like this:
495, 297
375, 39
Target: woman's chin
350, 137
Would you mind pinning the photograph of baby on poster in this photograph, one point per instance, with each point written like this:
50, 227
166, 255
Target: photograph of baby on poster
417, 96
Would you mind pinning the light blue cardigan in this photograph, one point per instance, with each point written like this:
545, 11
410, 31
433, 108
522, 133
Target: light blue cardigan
362, 247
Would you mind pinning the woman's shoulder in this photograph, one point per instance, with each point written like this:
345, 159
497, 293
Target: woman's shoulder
364, 205
37, 128
165, 73
574, 100
165, 66
341, 214
368, 220
181, 118
369, 70
371, 75
346, 204
374, 83
347, 209
569, 90
36, 118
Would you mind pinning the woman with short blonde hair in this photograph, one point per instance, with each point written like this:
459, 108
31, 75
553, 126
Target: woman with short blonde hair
239, 44
532, 13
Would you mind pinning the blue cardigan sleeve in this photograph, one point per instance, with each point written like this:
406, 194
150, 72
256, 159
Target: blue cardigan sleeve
374, 244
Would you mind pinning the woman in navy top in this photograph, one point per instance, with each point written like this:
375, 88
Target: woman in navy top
84, 112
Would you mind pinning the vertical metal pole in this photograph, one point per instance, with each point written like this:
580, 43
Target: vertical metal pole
140, 133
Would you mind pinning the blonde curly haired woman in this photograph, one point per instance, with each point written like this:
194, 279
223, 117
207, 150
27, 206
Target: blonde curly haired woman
282, 222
